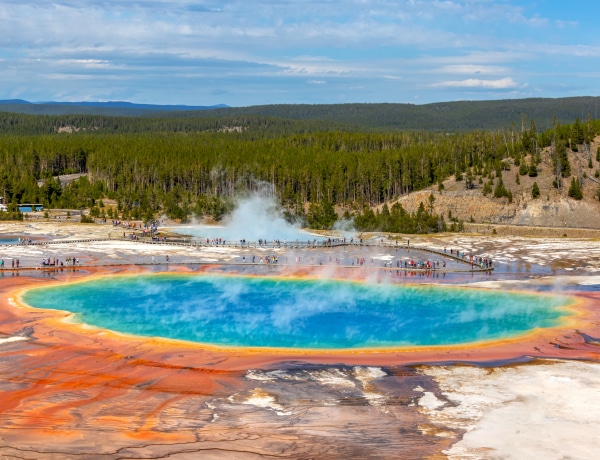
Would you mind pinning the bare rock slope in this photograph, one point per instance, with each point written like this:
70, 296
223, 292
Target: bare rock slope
553, 207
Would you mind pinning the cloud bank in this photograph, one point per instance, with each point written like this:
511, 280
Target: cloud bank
289, 51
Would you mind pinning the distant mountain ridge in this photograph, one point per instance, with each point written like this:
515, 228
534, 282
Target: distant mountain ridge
14, 101
439, 116
114, 108
132, 105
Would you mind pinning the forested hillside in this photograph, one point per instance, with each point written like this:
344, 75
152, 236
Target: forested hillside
184, 173
250, 125
442, 116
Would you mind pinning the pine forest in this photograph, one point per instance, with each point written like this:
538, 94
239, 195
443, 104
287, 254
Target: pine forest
320, 171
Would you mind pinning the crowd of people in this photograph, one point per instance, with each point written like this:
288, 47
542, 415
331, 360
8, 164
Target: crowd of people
14, 262
407, 263
54, 262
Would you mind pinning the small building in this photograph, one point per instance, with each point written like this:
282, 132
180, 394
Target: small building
29, 207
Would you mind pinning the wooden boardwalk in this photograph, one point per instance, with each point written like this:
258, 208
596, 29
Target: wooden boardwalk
464, 259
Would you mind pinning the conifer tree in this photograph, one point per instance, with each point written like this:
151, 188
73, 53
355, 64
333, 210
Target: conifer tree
575, 189
532, 172
577, 137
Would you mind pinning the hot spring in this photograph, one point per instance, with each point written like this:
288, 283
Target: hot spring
238, 311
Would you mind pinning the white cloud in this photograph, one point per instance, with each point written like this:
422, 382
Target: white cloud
566, 24
470, 69
567, 50
485, 57
181, 45
83, 63
68, 77
503, 83
312, 59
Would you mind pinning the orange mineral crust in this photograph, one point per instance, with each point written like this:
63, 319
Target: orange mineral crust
68, 390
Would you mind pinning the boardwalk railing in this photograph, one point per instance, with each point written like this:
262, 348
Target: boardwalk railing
308, 244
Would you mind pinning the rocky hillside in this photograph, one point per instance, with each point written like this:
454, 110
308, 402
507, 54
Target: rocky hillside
553, 208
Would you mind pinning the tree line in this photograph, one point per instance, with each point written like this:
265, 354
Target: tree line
246, 126
440, 116
183, 173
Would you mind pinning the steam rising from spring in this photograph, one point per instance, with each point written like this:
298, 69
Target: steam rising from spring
256, 216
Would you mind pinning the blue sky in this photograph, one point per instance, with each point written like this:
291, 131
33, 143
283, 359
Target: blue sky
250, 52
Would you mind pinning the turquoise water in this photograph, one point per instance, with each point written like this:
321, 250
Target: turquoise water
270, 312
30, 208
